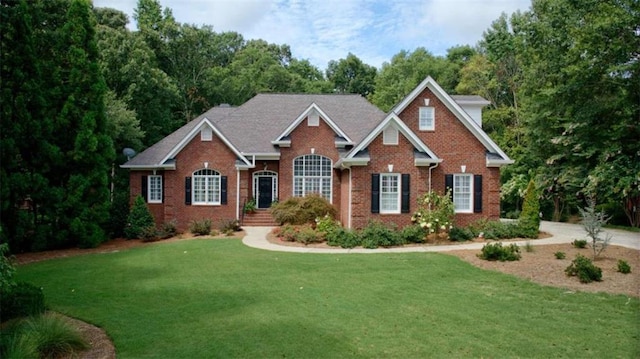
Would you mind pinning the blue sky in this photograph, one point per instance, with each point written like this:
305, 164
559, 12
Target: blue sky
324, 30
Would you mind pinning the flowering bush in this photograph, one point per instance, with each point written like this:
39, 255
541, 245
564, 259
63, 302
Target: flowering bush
435, 213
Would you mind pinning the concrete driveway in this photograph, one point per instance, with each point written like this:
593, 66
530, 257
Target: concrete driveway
256, 237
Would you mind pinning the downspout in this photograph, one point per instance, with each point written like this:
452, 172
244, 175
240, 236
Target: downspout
349, 207
237, 193
431, 169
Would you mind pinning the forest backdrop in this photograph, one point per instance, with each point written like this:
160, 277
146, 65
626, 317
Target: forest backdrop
77, 87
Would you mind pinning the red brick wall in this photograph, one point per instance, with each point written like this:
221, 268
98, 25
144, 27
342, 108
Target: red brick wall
190, 159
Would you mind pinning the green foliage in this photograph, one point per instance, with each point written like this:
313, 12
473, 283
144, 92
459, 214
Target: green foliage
21, 300
461, 234
327, 225
560, 255
301, 210
140, 221
7, 269
529, 221
579, 243
497, 230
351, 75
377, 234
229, 225
592, 222
343, 237
200, 227
528, 247
299, 233
250, 206
435, 213
44, 336
497, 252
623, 266
413, 234
584, 269
167, 230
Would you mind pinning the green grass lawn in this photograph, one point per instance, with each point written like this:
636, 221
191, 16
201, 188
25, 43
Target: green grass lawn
219, 299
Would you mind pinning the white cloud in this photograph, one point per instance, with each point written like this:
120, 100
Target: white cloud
328, 30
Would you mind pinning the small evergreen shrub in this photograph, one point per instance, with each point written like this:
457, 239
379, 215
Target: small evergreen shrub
529, 221
302, 210
139, 220
579, 243
201, 227
623, 266
592, 222
342, 237
560, 255
497, 252
229, 225
21, 300
376, 234
460, 234
149, 234
326, 225
584, 269
413, 234
168, 229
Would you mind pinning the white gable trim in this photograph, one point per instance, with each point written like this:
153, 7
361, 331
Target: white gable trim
462, 115
192, 134
313, 107
392, 120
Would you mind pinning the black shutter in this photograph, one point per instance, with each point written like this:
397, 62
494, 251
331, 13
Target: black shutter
223, 190
187, 191
448, 184
406, 192
144, 188
477, 193
375, 193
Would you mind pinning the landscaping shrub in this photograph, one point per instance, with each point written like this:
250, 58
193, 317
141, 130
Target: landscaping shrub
7, 269
560, 255
584, 269
623, 266
579, 243
495, 251
528, 247
21, 300
326, 225
342, 237
435, 213
460, 234
140, 219
44, 336
413, 234
529, 221
229, 225
307, 235
168, 229
376, 234
301, 210
201, 227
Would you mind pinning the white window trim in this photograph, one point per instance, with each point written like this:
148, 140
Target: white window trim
149, 188
399, 193
390, 136
206, 190
433, 118
470, 176
304, 178
274, 183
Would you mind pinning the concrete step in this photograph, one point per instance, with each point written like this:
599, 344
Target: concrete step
258, 218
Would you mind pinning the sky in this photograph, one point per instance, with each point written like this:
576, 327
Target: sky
325, 30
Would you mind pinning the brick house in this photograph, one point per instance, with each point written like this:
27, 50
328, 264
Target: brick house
369, 164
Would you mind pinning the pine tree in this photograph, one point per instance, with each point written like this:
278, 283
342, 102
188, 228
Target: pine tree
529, 220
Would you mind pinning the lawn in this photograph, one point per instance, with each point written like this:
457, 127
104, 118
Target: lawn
217, 298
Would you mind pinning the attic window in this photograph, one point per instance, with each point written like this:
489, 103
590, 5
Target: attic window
206, 134
426, 119
390, 136
313, 120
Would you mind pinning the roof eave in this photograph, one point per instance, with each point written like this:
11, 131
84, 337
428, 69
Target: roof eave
169, 166
499, 163
419, 162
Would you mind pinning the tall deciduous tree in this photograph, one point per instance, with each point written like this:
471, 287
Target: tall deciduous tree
351, 75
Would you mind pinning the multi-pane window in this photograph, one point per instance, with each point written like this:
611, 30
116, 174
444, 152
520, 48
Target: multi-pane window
389, 193
312, 174
206, 187
462, 193
154, 189
427, 119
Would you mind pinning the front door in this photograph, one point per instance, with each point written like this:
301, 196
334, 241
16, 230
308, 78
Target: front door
265, 192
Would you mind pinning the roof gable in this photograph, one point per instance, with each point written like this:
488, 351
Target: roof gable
457, 110
308, 111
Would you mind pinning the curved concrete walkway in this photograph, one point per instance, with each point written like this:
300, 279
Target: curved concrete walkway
256, 237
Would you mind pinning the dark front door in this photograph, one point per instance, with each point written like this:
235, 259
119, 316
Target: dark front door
265, 192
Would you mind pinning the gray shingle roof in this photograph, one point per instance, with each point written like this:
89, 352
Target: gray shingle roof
252, 126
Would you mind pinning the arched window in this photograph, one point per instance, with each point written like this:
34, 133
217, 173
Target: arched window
206, 187
312, 174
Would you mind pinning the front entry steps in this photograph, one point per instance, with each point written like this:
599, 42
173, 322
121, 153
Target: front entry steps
259, 218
